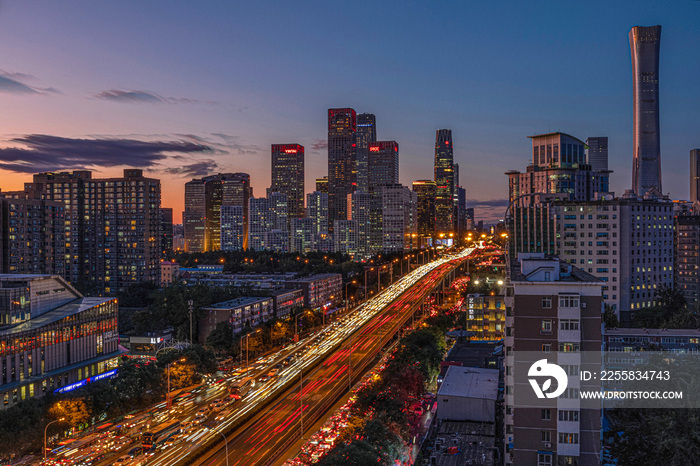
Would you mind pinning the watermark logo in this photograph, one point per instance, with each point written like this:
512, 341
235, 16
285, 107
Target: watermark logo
542, 368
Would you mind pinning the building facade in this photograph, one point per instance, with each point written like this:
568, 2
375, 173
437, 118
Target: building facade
399, 216
32, 235
317, 210
203, 200
240, 313
112, 227
694, 175
597, 153
288, 176
646, 144
342, 161
345, 237
553, 311
366, 133
320, 291
687, 257
52, 338
301, 235
444, 180
426, 192
383, 162
166, 229
233, 233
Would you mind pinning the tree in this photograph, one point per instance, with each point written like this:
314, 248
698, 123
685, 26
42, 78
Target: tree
76, 411
356, 453
609, 318
221, 338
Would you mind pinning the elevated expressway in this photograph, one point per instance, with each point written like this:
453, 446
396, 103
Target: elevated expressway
274, 415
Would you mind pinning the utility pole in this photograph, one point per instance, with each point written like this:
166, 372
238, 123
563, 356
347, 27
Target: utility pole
190, 303
301, 400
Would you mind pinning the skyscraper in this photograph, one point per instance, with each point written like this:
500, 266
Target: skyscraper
317, 210
288, 176
322, 184
597, 153
232, 228
646, 146
342, 125
383, 162
426, 192
366, 133
694, 175
166, 229
203, 200
444, 180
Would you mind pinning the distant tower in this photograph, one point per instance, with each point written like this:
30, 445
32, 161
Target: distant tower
342, 124
444, 180
646, 165
598, 153
288, 176
366, 133
383, 162
694, 175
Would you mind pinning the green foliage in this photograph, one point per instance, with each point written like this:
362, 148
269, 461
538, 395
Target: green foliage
21, 427
651, 436
670, 311
221, 338
356, 453
609, 318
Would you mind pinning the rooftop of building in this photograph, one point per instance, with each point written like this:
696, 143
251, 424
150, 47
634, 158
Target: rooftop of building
474, 353
238, 302
557, 133
660, 332
470, 382
529, 266
320, 276
464, 442
67, 310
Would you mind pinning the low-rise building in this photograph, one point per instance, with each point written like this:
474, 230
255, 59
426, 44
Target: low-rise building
486, 317
169, 271
468, 394
320, 291
239, 312
629, 340
52, 338
286, 300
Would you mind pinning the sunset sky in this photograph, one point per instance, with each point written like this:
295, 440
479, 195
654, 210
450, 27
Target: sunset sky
184, 89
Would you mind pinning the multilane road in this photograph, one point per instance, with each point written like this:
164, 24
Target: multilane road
317, 379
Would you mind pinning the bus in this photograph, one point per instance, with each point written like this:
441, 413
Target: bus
241, 388
159, 434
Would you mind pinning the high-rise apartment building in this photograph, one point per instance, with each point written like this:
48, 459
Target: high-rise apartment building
301, 235
444, 180
203, 200
366, 133
361, 203
288, 176
687, 257
399, 215
345, 237
426, 193
32, 235
232, 228
166, 229
317, 210
625, 242
342, 161
694, 175
553, 311
112, 227
597, 153
383, 162
646, 145
267, 226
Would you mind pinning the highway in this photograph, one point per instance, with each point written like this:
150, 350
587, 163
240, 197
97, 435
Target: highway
275, 427
267, 420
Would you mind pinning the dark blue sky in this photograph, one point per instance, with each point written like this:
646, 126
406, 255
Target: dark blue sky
240, 76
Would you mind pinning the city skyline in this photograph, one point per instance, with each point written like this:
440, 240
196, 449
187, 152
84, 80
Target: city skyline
152, 84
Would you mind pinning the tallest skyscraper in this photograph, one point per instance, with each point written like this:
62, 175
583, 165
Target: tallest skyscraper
646, 164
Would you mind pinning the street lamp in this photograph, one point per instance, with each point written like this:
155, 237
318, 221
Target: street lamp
167, 367
247, 337
46, 430
346, 294
226, 443
371, 269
